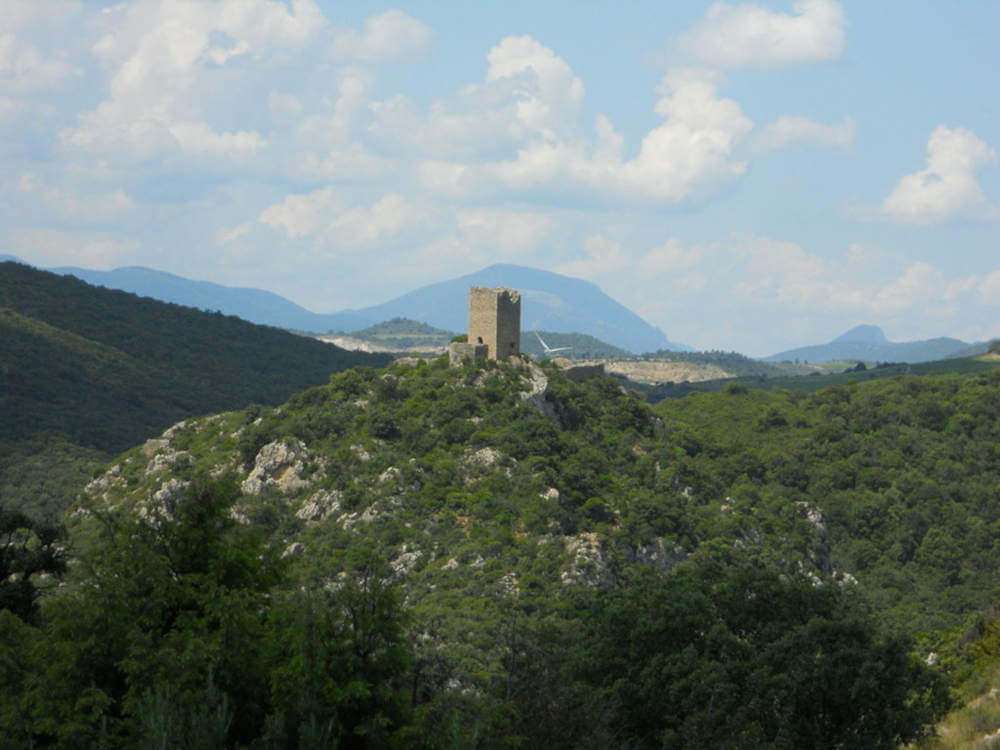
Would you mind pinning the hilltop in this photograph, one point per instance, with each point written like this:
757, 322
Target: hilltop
520, 513
868, 343
498, 496
552, 302
420, 447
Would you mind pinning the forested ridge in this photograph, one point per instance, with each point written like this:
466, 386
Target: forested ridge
497, 557
88, 371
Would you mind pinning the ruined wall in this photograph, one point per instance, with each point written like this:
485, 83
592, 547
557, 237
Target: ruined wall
495, 320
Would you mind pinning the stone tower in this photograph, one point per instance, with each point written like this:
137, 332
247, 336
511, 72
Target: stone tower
495, 320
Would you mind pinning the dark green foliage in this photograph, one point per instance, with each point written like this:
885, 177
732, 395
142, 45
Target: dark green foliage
731, 654
39, 475
403, 333
111, 368
92, 371
180, 631
27, 549
904, 470
513, 531
733, 362
816, 381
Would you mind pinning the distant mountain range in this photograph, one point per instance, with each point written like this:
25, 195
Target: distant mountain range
869, 343
551, 302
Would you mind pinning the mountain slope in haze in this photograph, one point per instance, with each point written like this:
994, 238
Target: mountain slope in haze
869, 343
254, 305
549, 302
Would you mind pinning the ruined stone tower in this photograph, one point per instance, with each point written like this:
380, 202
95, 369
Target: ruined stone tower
495, 320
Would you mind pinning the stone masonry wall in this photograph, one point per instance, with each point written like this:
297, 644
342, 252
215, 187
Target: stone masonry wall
495, 320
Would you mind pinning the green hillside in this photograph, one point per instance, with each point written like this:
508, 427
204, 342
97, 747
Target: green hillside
817, 381
99, 369
404, 333
734, 362
538, 562
581, 346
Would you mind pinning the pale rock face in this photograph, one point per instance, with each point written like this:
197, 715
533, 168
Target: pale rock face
278, 464
588, 566
104, 482
320, 506
550, 494
163, 503
813, 515
819, 552
451, 564
150, 447
485, 457
350, 520
404, 563
392, 474
362, 455
163, 462
171, 433
657, 554
510, 585
535, 397
293, 549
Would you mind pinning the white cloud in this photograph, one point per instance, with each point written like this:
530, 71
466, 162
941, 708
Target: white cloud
749, 36
24, 68
198, 139
547, 91
790, 130
947, 187
920, 284
685, 155
669, 257
51, 247
602, 257
226, 236
302, 215
326, 215
367, 226
392, 35
989, 289
695, 144
208, 84
509, 231
91, 206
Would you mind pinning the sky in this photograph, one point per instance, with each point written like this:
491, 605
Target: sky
746, 176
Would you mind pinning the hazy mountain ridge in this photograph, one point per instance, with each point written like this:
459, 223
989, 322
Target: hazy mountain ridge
869, 344
551, 302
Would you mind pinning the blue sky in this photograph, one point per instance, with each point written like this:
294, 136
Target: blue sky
749, 176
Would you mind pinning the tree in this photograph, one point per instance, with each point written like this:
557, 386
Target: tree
728, 653
27, 550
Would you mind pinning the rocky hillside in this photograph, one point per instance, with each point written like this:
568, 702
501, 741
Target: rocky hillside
479, 482
573, 567
86, 371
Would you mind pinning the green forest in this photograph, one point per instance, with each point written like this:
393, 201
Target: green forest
495, 556
86, 372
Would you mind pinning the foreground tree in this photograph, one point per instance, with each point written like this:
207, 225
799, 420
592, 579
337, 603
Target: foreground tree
732, 654
28, 550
